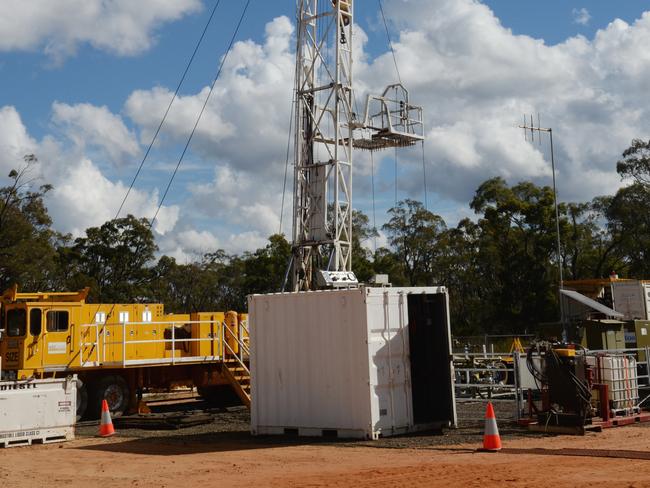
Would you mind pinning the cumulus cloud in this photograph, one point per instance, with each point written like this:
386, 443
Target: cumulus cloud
242, 135
86, 124
15, 142
475, 79
581, 16
188, 244
247, 118
83, 196
121, 27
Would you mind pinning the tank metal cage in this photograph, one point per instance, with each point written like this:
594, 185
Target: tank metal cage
390, 121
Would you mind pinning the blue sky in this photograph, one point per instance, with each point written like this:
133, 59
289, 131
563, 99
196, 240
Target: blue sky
92, 71
31, 83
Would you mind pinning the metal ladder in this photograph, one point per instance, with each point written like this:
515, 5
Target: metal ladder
235, 365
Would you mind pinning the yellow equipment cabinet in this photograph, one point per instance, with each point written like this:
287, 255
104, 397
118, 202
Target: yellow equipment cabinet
117, 350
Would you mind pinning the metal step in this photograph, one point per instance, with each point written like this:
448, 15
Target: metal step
239, 379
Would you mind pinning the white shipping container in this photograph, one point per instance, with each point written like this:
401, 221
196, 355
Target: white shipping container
37, 411
632, 298
360, 362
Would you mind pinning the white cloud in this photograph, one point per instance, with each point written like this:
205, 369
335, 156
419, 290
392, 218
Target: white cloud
475, 79
473, 76
88, 125
247, 118
188, 245
244, 131
122, 27
82, 196
15, 142
240, 198
581, 16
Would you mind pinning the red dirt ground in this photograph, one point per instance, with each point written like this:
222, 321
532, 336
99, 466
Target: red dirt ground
130, 462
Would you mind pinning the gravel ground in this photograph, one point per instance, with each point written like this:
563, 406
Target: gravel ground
222, 452
232, 424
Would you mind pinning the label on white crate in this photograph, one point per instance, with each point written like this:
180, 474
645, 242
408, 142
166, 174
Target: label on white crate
56, 348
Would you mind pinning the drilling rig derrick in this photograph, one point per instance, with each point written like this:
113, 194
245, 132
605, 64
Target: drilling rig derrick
327, 131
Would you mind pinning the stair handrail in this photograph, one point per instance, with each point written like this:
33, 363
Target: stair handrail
242, 346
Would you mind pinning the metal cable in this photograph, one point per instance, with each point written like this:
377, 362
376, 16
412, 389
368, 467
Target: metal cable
390, 42
178, 87
207, 99
424, 174
396, 161
374, 215
286, 164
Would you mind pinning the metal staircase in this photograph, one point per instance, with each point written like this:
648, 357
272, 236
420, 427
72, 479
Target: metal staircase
235, 363
240, 378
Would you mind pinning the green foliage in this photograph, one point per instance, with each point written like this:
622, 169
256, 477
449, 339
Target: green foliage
362, 233
27, 253
265, 269
114, 260
501, 267
413, 233
636, 162
628, 222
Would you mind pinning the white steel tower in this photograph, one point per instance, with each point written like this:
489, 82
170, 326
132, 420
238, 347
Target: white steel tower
325, 124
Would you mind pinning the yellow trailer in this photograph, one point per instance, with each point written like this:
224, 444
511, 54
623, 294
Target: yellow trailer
119, 350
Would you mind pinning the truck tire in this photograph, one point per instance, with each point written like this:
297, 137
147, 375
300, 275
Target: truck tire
220, 396
114, 390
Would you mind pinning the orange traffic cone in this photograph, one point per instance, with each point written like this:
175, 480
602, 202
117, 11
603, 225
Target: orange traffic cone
491, 438
106, 425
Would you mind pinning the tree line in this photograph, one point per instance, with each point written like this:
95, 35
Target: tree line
501, 267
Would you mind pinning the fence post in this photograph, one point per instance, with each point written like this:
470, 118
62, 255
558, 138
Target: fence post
123, 343
173, 342
647, 364
515, 371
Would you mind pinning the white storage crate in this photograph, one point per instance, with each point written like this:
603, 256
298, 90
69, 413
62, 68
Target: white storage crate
358, 362
37, 411
619, 373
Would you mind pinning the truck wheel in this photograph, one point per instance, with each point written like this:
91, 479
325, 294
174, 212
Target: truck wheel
114, 390
220, 396
82, 400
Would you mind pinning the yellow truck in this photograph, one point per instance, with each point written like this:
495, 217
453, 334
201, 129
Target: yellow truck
120, 350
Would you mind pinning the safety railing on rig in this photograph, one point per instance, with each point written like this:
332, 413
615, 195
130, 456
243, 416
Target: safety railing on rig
128, 344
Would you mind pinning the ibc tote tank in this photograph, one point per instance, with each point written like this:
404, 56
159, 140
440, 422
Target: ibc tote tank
358, 362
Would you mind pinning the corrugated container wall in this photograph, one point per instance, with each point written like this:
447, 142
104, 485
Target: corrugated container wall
360, 362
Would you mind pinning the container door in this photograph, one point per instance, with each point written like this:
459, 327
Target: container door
431, 360
34, 350
388, 352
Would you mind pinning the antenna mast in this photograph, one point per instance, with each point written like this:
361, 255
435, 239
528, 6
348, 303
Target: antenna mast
538, 130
